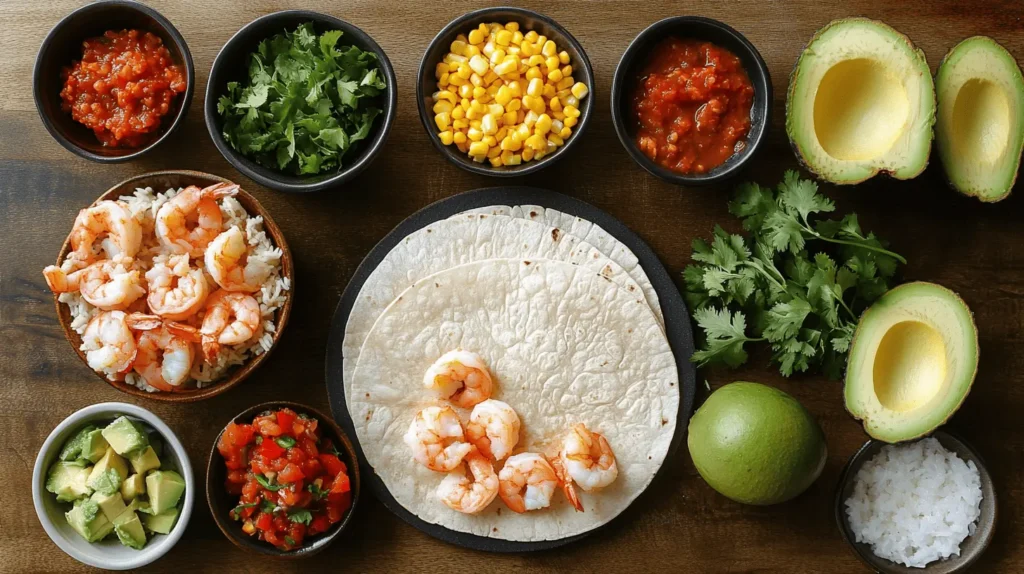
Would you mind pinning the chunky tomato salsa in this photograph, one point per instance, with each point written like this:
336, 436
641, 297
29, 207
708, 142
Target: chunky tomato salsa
290, 481
122, 87
692, 105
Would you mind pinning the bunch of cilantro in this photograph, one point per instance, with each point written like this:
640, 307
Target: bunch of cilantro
796, 281
307, 102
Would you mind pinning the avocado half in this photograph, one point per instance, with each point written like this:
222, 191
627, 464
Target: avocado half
861, 102
912, 361
980, 123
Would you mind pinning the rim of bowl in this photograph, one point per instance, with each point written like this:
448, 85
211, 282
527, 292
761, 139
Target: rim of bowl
241, 372
230, 530
62, 26
858, 459
373, 146
449, 152
759, 74
185, 467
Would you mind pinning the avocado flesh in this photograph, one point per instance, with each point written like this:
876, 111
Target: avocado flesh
861, 102
912, 362
129, 530
980, 123
69, 481
165, 488
161, 523
87, 519
125, 436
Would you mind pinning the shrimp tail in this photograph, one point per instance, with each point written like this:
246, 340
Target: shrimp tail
58, 281
211, 348
566, 483
144, 322
183, 331
220, 190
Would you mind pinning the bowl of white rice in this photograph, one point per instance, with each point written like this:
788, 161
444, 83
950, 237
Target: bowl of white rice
925, 506
144, 194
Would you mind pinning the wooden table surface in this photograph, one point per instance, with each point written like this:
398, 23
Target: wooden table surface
680, 524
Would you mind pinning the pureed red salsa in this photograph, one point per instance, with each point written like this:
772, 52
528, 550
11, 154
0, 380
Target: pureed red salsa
123, 85
692, 105
289, 480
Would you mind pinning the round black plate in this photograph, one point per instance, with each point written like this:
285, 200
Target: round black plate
677, 327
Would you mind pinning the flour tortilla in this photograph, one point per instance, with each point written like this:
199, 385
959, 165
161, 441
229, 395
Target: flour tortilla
587, 231
564, 344
458, 240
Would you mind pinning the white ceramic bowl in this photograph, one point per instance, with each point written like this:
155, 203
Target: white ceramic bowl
108, 554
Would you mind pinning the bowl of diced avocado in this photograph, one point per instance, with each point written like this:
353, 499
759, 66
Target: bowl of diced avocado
113, 486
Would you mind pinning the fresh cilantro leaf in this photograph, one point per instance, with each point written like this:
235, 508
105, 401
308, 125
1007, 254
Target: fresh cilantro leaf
267, 506
268, 483
285, 441
289, 541
236, 512
318, 493
801, 196
301, 515
725, 335
752, 204
786, 319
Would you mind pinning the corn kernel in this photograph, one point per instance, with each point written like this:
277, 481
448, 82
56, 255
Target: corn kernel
495, 27
558, 115
512, 26
516, 159
569, 122
494, 152
473, 114
478, 148
476, 79
580, 90
488, 124
447, 95
535, 60
447, 137
458, 47
527, 153
443, 120
460, 124
474, 124
516, 88
479, 92
495, 161
476, 37
555, 76
506, 67
543, 124
472, 51
464, 71
457, 80
495, 109
466, 90
565, 84
520, 116
503, 37
566, 70
552, 63
443, 80
479, 65
549, 49
555, 139
474, 134
464, 103
530, 120
454, 58
440, 69
548, 92
563, 57
489, 48
572, 112
442, 106
514, 105
555, 104
523, 131
565, 132
535, 88
571, 101
540, 41
509, 118
463, 146
506, 156
490, 141
537, 156
533, 73
517, 36
530, 36
503, 96
526, 49
458, 113
536, 105
497, 56
502, 133
459, 138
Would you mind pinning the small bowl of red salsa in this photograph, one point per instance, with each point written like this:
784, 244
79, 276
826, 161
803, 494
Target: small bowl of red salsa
691, 100
112, 80
282, 480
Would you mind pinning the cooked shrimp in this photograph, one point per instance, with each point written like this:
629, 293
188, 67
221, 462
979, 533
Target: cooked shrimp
228, 262
469, 493
231, 319
109, 344
527, 482
165, 351
588, 458
110, 284
108, 226
189, 221
176, 291
461, 377
436, 439
565, 482
493, 428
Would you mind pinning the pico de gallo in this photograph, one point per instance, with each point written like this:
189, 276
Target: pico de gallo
290, 480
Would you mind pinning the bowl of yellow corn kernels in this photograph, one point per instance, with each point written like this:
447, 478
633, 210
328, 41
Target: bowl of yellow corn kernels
504, 91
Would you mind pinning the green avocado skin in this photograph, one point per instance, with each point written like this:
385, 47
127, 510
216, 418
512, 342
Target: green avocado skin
755, 444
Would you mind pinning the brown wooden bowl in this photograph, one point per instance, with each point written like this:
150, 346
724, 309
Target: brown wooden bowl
221, 502
160, 181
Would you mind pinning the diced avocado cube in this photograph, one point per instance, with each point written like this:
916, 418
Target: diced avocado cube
165, 488
144, 460
129, 530
125, 436
141, 506
72, 449
68, 481
132, 487
94, 446
87, 519
161, 523
109, 473
112, 505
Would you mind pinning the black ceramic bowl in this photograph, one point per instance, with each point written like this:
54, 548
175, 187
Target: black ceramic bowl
695, 27
63, 45
231, 65
221, 502
426, 83
970, 549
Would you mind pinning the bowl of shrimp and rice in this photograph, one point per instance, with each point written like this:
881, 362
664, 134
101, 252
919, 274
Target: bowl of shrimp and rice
202, 301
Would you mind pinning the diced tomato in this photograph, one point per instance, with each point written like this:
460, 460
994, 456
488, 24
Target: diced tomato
235, 437
285, 418
309, 447
320, 524
272, 537
278, 464
297, 497
267, 426
336, 508
251, 490
237, 476
270, 450
332, 464
312, 468
297, 531
341, 484
291, 473
264, 521
296, 455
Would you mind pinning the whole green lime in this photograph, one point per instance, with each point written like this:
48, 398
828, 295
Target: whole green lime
756, 444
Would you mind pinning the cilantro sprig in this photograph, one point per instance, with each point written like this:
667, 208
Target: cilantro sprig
796, 280
307, 102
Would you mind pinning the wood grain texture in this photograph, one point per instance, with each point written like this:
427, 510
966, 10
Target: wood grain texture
680, 524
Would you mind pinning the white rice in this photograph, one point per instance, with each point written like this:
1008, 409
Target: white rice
915, 503
144, 204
